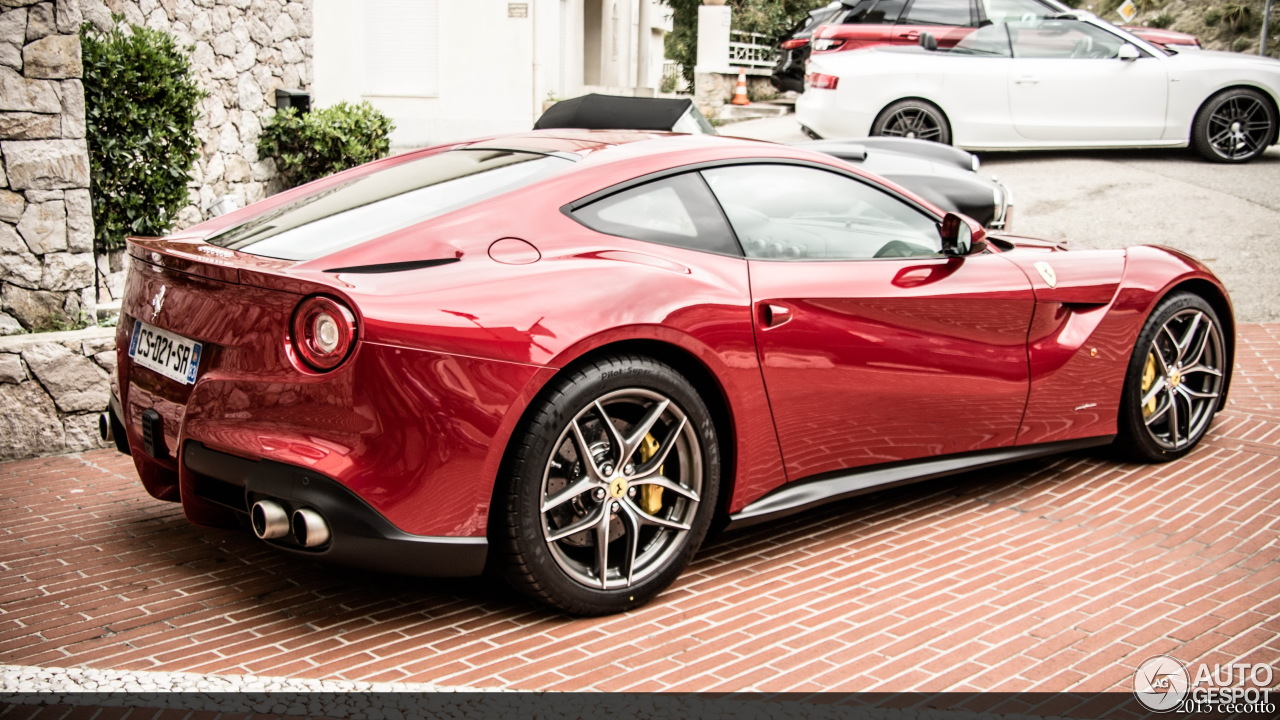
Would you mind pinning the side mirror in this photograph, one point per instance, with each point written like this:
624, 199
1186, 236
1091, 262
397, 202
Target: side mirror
957, 236
1128, 52
928, 41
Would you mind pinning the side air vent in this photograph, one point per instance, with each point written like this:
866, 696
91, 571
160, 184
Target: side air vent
393, 267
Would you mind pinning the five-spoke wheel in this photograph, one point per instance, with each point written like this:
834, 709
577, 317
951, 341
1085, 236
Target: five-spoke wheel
621, 490
612, 489
913, 119
1234, 126
1176, 380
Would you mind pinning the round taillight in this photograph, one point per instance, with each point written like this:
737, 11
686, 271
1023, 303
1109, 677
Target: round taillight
324, 332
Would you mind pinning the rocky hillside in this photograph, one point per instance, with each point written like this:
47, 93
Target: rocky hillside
1220, 24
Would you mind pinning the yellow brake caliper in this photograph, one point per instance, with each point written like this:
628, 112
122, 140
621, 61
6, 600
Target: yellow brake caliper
650, 495
1149, 379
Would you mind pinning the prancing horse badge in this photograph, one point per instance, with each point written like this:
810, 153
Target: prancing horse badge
1046, 272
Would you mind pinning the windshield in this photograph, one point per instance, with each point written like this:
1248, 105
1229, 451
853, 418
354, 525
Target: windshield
385, 201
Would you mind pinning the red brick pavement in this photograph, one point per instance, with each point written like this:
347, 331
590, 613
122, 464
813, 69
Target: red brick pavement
1049, 575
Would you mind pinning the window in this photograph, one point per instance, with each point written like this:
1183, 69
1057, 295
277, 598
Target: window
402, 48
875, 12
675, 211
938, 12
1006, 10
789, 212
989, 41
1062, 39
385, 201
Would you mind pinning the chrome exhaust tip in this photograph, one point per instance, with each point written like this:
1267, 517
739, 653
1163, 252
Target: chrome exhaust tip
269, 519
309, 528
104, 428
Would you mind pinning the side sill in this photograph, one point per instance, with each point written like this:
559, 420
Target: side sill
821, 489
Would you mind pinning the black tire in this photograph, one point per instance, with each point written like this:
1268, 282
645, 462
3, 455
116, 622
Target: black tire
650, 531
913, 119
1234, 126
1180, 368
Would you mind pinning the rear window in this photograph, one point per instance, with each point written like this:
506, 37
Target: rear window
938, 12
386, 201
875, 12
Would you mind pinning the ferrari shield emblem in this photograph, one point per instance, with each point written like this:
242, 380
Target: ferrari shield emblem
1046, 272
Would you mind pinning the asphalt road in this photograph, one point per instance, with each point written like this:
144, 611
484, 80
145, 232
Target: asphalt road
1226, 215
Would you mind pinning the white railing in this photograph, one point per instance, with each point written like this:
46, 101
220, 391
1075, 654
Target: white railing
751, 50
673, 76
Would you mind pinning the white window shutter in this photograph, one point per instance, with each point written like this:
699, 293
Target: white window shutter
402, 48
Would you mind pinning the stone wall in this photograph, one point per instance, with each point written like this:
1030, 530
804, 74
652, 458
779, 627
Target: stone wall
712, 91
46, 223
242, 51
53, 387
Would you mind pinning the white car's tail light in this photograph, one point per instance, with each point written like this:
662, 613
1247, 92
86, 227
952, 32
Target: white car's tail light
324, 332
794, 43
821, 81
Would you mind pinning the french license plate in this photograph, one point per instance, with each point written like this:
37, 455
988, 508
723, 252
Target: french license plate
173, 356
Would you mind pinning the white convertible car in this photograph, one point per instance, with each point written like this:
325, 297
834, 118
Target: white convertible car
1065, 82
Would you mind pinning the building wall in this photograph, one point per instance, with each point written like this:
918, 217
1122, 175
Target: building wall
496, 62
46, 223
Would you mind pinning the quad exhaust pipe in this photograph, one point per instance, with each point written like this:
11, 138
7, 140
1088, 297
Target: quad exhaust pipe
310, 528
271, 521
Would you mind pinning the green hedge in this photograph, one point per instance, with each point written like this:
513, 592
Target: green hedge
313, 145
141, 108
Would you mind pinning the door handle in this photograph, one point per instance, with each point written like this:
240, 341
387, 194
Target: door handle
913, 35
1027, 80
772, 316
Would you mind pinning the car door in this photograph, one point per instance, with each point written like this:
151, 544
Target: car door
874, 346
1068, 84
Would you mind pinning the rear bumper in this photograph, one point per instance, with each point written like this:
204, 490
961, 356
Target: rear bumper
360, 536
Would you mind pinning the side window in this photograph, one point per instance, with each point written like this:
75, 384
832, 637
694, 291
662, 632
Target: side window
875, 12
938, 12
999, 11
675, 211
789, 212
1062, 39
989, 41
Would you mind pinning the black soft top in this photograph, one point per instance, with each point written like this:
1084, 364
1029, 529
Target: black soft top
608, 112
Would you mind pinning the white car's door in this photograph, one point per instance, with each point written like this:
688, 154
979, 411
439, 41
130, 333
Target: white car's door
1068, 84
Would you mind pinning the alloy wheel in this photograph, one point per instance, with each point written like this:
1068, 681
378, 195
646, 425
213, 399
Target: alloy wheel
621, 489
1182, 379
913, 122
1240, 127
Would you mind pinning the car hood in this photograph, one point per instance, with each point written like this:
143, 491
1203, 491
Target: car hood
1218, 58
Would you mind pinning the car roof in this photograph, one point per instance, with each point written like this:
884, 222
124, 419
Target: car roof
583, 142
638, 149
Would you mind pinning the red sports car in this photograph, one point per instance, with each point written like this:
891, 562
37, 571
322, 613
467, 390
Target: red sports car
566, 355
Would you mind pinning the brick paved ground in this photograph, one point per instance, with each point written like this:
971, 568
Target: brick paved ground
1048, 575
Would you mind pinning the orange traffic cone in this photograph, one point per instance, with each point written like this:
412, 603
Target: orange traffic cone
740, 93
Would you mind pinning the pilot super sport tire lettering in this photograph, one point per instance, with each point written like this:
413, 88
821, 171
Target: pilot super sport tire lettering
611, 487
1234, 126
1174, 382
913, 119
